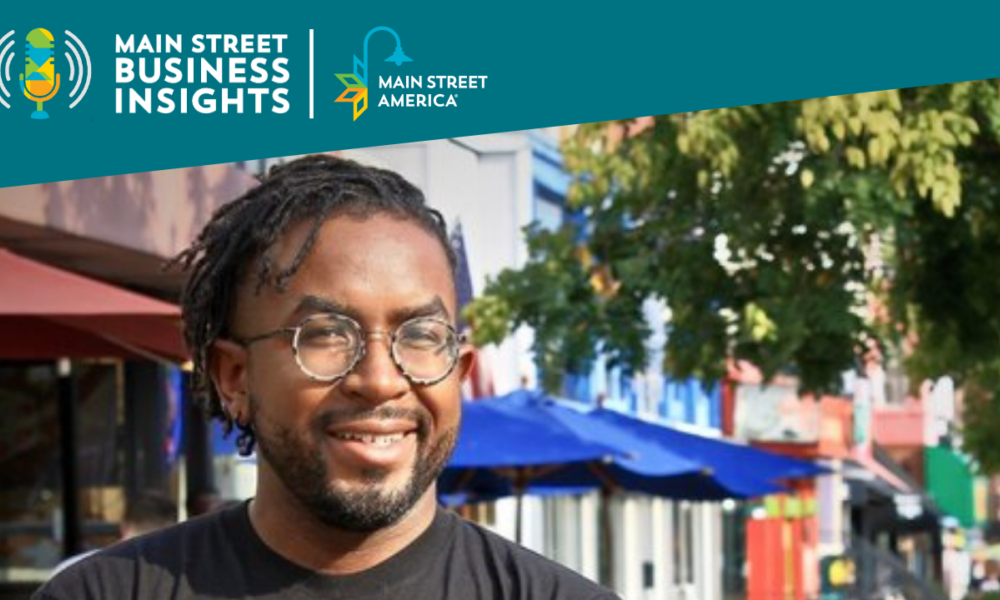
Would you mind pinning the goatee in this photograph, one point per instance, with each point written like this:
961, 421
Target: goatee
298, 461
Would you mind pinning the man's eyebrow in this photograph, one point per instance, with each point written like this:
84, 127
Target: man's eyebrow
310, 304
434, 308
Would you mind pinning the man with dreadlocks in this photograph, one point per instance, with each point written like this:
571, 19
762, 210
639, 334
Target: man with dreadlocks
319, 312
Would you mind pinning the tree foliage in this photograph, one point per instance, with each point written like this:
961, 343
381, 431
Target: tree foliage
768, 231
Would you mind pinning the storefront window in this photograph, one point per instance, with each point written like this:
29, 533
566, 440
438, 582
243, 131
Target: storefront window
29, 471
31, 528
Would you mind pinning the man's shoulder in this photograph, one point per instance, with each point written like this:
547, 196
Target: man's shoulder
523, 569
156, 558
174, 540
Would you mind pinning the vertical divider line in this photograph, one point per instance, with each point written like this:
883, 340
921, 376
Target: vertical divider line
312, 89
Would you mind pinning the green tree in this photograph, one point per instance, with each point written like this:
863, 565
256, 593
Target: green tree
768, 230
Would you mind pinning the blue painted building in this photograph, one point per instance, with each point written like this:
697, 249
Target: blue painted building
651, 394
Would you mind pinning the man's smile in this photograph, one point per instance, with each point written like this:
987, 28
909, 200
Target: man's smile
374, 444
370, 438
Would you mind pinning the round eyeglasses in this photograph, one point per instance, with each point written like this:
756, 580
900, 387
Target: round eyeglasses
328, 346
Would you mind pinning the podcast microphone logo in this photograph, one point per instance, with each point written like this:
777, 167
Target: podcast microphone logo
40, 82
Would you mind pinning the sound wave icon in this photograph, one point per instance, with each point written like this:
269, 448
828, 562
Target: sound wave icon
78, 63
5, 65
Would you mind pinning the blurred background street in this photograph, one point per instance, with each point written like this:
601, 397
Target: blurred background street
749, 353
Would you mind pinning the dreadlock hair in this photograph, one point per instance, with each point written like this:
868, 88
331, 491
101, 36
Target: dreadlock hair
239, 239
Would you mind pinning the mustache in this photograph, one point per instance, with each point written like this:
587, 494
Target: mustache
346, 416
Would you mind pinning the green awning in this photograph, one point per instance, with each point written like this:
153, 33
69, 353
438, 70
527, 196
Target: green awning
951, 482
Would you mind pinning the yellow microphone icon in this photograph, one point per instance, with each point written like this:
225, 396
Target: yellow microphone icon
39, 82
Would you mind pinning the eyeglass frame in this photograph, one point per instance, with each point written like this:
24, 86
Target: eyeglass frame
364, 338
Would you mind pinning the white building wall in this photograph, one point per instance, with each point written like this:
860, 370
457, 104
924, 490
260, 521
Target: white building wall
565, 532
661, 530
533, 524
707, 542
628, 554
506, 518
590, 534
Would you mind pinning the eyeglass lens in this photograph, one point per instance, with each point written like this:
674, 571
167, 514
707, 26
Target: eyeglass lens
328, 347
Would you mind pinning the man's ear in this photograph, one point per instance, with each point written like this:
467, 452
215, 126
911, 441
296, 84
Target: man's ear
466, 358
227, 366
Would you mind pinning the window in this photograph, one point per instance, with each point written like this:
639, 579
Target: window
30, 455
548, 213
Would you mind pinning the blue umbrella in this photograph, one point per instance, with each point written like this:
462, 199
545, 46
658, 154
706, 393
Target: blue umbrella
645, 457
527, 434
505, 445
655, 460
729, 470
497, 434
500, 449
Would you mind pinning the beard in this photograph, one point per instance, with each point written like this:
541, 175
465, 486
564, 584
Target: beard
297, 460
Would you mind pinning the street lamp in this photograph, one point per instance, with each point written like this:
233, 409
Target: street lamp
397, 57
357, 91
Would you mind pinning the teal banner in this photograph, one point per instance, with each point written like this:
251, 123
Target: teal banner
101, 89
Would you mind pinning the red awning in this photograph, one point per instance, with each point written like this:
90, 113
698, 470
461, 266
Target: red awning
48, 313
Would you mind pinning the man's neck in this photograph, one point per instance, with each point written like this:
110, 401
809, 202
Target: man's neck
291, 530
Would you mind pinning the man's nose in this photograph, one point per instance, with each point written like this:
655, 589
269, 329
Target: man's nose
376, 377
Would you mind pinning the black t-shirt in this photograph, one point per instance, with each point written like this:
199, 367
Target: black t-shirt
220, 556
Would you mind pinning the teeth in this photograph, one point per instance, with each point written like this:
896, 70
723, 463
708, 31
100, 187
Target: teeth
378, 440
